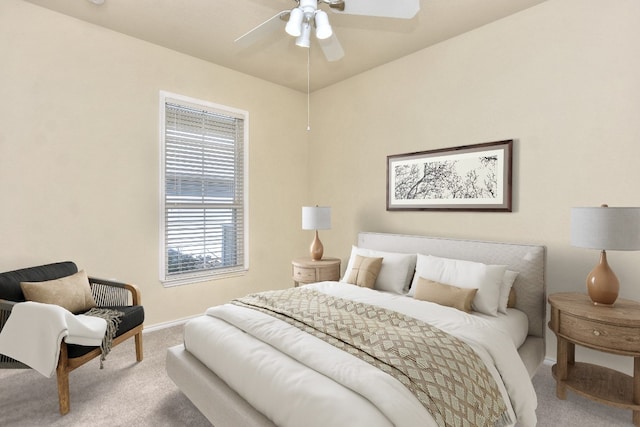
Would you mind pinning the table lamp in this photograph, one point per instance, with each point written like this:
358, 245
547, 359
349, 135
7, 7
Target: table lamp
316, 218
605, 228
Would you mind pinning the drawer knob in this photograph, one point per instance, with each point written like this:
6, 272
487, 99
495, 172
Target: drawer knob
596, 332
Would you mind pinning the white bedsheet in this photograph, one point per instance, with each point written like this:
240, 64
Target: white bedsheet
340, 389
514, 324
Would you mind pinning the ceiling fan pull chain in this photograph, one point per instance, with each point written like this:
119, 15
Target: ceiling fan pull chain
308, 89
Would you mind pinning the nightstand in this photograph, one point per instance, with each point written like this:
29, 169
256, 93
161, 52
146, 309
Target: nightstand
575, 320
305, 270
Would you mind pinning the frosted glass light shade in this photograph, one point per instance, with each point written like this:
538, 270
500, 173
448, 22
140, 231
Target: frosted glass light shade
316, 218
294, 25
304, 39
323, 28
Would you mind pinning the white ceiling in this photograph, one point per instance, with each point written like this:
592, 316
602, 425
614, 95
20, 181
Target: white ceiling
207, 29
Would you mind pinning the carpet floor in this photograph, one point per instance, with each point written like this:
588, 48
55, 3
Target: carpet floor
126, 393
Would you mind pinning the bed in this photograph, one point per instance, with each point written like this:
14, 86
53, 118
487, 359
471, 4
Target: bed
242, 366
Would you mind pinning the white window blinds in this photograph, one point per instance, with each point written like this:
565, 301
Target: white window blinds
204, 191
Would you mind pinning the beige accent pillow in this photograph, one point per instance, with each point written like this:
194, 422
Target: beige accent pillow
508, 280
447, 295
396, 271
465, 274
364, 271
71, 292
512, 299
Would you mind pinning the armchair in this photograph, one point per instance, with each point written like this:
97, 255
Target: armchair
106, 293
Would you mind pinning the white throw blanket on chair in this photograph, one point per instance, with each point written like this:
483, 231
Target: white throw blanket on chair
33, 333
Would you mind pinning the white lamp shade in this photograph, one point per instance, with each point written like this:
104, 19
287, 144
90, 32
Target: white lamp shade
608, 228
316, 218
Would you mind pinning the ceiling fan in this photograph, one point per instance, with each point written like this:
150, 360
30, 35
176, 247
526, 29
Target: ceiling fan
307, 14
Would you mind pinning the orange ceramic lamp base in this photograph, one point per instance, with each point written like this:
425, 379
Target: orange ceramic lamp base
602, 283
316, 250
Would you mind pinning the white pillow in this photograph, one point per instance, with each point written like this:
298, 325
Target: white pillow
464, 274
396, 271
507, 282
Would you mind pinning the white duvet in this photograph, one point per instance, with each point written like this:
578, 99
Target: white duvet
296, 379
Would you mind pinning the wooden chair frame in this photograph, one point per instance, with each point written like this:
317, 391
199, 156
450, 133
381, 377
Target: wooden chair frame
105, 293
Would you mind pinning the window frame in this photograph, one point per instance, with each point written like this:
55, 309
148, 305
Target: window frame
242, 267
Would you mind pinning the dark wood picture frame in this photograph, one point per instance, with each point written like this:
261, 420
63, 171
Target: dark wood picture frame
467, 178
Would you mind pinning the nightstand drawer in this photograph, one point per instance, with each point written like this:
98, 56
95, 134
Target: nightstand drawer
332, 272
600, 335
304, 275
306, 270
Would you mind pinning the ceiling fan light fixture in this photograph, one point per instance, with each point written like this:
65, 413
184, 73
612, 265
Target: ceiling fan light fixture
323, 28
304, 39
294, 25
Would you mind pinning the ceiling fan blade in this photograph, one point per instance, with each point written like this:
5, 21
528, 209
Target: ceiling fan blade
405, 9
331, 48
259, 32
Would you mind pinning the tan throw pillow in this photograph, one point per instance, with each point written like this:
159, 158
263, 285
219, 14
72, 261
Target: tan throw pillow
450, 296
71, 292
364, 271
512, 299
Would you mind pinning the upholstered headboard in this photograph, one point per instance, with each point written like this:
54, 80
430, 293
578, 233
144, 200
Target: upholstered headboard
527, 260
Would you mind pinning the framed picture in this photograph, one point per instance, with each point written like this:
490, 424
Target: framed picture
467, 178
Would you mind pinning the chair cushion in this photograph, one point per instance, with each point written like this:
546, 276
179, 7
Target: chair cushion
10, 281
133, 316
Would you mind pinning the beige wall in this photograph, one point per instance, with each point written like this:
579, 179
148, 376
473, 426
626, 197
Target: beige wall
562, 79
79, 146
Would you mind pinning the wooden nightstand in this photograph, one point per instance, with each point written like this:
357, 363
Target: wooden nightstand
575, 320
307, 271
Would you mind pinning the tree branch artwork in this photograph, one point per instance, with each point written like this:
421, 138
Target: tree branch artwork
474, 177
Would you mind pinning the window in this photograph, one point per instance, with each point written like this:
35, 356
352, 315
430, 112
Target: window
203, 196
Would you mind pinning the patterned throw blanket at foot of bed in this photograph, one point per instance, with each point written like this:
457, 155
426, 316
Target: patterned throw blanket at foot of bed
443, 372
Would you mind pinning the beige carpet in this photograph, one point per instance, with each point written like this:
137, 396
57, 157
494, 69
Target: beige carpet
126, 393
575, 411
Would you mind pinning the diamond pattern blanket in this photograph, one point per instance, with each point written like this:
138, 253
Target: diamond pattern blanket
443, 372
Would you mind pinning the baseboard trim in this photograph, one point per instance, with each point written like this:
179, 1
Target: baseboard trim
169, 324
